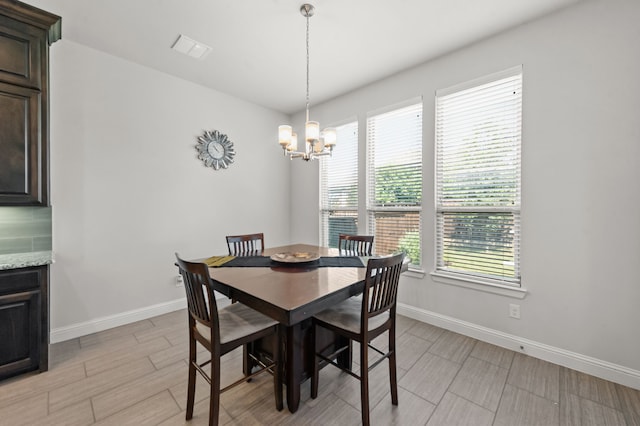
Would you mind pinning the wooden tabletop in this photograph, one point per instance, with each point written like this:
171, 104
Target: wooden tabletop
289, 293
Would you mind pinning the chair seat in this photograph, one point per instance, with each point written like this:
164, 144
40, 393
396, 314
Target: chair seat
346, 316
237, 321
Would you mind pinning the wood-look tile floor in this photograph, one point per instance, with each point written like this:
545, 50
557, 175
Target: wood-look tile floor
136, 375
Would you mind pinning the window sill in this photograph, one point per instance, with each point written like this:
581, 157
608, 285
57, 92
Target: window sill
479, 285
415, 273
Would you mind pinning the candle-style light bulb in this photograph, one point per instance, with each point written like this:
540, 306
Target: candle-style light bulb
312, 131
293, 146
330, 137
284, 135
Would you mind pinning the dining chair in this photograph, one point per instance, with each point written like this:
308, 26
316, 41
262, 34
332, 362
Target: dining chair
245, 245
362, 319
355, 245
220, 331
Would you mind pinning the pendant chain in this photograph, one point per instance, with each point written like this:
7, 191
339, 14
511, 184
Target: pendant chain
307, 67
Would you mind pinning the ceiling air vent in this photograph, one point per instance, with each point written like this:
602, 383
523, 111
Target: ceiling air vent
191, 47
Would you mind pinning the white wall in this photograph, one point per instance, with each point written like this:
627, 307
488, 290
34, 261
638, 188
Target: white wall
128, 190
580, 174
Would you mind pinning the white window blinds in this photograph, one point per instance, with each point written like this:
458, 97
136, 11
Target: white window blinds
339, 187
478, 139
394, 181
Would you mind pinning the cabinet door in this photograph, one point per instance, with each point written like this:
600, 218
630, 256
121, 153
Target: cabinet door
22, 160
19, 333
20, 53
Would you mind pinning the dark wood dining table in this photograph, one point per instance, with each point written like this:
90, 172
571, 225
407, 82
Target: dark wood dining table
292, 294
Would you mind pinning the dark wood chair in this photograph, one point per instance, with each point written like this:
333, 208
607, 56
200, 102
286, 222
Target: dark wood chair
246, 245
220, 331
355, 245
362, 319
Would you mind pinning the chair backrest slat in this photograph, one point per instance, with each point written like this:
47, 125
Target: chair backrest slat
246, 245
355, 245
381, 285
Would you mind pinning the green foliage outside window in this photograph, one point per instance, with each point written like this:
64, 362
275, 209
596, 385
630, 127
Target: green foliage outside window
399, 185
410, 245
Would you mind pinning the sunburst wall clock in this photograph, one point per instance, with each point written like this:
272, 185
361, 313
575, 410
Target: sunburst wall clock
215, 150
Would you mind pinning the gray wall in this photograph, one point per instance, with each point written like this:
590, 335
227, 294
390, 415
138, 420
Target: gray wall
580, 174
128, 191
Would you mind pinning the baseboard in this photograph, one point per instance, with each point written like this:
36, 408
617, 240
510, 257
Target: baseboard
99, 324
595, 367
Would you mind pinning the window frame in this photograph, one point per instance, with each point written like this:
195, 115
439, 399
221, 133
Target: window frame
325, 210
371, 208
505, 285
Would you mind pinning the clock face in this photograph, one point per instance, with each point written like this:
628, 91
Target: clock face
215, 150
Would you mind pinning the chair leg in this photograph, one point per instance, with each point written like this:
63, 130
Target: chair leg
364, 382
277, 374
393, 377
316, 370
214, 393
191, 384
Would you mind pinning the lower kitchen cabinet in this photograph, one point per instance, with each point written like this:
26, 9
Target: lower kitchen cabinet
24, 320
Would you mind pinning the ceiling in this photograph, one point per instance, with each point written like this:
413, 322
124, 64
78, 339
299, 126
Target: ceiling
259, 45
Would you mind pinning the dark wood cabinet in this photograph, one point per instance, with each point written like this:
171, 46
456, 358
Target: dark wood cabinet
25, 35
21, 178
24, 320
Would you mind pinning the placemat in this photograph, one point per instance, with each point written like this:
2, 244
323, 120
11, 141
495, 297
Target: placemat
266, 262
215, 261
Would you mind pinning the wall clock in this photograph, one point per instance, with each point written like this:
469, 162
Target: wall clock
215, 149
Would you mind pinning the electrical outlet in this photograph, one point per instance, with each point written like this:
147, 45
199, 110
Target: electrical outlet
179, 282
514, 311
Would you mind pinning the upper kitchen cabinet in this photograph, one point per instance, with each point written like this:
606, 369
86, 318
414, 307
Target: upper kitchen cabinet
25, 36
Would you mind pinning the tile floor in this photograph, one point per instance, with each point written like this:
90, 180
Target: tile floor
136, 375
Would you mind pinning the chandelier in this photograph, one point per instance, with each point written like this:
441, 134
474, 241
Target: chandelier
317, 144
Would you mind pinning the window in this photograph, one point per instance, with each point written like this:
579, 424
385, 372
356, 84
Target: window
339, 187
478, 138
394, 181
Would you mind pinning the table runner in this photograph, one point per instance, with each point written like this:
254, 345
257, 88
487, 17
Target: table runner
266, 262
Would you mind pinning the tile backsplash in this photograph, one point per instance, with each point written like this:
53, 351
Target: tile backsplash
25, 229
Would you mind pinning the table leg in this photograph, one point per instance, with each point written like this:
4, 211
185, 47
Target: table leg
246, 359
345, 358
294, 366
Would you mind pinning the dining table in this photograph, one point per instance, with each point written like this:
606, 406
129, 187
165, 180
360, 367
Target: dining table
284, 284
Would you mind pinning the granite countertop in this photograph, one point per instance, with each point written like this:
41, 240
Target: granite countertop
24, 260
